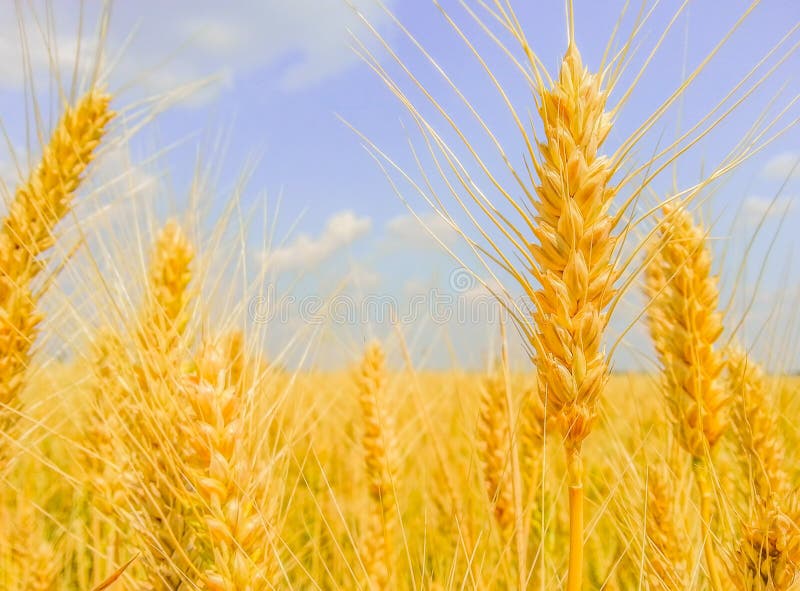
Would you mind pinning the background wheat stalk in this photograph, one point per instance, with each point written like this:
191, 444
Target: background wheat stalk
685, 324
768, 554
494, 446
668, 561
152, 371
381, 464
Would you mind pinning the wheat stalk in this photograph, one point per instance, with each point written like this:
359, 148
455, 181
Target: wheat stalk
574, 267
667, 563
768, 554
494, 446
381, 464
27, 232
238, 532
150, 379
685, 324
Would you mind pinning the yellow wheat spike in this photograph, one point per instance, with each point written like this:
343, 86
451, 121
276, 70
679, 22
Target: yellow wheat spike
756, 427
574, 266
494, 446
574, 249
380, 461
27, 232
236, 541
768, 553
169, 275
667, 564
690, 325
28, 560
150, 374
685, 323
768, 556
102, 461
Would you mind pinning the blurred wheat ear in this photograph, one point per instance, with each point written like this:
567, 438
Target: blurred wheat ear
767, 555
380, 458
685, 325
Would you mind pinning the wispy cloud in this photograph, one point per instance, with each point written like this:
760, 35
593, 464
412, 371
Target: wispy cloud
306, 251
782, 166
757, 207
162, 45
420, 232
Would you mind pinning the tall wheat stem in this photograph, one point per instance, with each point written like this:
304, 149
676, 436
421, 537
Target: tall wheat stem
516, 473
574, 267
575, 472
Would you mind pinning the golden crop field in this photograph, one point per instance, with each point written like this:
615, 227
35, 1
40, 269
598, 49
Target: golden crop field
151, 440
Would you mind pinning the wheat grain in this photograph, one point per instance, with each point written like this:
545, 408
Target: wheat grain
380, 460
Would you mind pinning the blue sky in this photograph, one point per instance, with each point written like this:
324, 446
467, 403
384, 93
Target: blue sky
282, 76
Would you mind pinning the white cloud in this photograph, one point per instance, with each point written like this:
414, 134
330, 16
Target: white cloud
60, 52
783, 166
163, 45
757, 207
305, 251
413, 232
415, 286
484, 291
362, 277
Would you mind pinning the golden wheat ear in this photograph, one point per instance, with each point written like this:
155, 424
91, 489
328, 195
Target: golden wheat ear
574, 266
27, 233
494, 448
29, 560
755, 426
169, 275
667, 563
239, 547
381, 467
768, 553
685, 324
155, 509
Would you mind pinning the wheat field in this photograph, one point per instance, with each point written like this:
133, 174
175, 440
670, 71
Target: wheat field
150, 439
